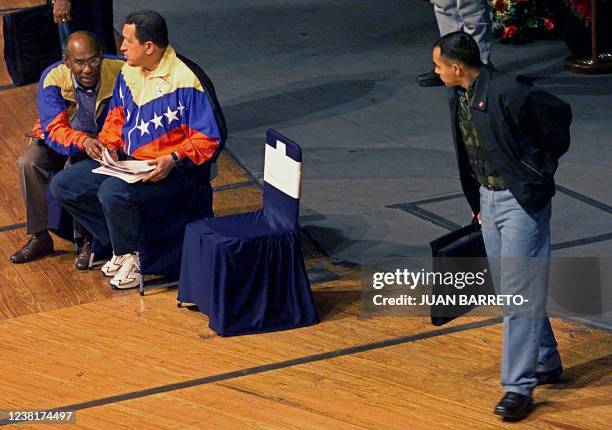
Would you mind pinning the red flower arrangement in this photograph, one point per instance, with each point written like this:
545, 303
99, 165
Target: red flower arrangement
519, 21
549, 24
509, 32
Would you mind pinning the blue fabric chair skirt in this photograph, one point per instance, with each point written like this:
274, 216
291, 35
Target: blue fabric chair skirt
247, 275
164, 228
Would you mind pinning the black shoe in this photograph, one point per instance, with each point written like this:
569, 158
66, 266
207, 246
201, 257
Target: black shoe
83, 260
429, 79
514, 406
39, 245
550, 377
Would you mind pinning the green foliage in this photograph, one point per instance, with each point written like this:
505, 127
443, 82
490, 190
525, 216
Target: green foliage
520, 21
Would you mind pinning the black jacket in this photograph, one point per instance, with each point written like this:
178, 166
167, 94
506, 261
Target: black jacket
525, 128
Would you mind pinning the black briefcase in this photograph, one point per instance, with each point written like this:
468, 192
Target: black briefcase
449, 252
31, 43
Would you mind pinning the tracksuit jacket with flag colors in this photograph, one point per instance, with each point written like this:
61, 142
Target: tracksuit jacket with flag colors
57, 105
165, 111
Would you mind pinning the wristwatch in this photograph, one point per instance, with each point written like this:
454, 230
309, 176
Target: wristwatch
175, 158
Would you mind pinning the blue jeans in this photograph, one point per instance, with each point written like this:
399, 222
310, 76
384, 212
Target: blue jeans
518, 247
110, 208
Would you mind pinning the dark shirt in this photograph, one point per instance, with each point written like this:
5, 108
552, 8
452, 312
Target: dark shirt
85, 117
479, 158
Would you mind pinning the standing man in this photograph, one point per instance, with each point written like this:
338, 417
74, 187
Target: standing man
508, 138
73, 97
164, 110
470, 16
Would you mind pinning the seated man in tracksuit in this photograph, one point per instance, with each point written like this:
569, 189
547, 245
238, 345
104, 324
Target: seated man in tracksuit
73, 97
164, 110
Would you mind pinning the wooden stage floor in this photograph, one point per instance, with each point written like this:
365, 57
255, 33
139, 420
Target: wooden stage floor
128, 362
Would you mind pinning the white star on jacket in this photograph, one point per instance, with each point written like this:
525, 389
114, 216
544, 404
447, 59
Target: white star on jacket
143, 127
171, 115
180, 108
157, 120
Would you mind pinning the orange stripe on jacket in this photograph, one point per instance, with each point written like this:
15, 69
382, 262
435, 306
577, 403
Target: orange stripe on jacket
112, 131
60, 130
183, 140
36, 130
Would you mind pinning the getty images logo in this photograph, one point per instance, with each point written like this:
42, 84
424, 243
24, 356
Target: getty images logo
411, 279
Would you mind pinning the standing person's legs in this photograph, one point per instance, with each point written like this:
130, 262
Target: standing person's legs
95, 16
491, 233
76, 189
64, 31
525, 264
447, 16
475, 19
34, 168
448, 21
523, 243
549, 358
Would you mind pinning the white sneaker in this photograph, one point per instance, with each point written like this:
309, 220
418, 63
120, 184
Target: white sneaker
128, 275
111, 267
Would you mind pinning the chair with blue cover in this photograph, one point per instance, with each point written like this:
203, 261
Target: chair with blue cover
246, 271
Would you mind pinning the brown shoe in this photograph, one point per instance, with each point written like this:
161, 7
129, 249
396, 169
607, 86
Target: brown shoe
39, 245
83, 260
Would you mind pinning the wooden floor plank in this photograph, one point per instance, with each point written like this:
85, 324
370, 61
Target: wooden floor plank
16, 296
215, 407
158, 344
47, 283
446, 382
240, 200
229, 172
78, 358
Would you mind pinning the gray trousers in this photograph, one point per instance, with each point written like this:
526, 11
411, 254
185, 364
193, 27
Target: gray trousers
34, 169
471, 16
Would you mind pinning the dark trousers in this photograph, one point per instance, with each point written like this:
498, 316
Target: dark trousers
95, 16
110, 208
34, 169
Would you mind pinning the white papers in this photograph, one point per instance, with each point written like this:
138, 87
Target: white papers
127, 177
127, 166
129, 170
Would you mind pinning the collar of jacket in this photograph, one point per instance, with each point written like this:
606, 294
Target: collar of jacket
108, 76
77, 86
480, 91
166, 65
